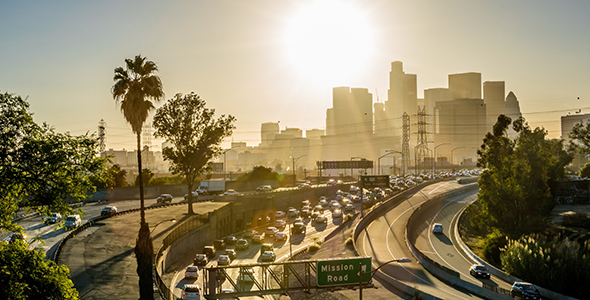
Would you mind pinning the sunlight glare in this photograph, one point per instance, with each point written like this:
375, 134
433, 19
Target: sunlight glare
328, 41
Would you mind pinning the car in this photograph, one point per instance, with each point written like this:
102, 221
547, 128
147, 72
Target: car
315, 214
318, 208
209, 251
242, 244
337, 213
321, 219
231, 192
298, 228
230, 240
525, 290
73, 221
257, 239
304, 186
346, 201
223, 260
164, 198
479, 271
248, 234
298, 220
323, 198
52, 219
246, 274
231, 253
323, 203
18, 236
108, 211
195, 195
292, 213
305, 213
200, 259
270, 231
353, 189
280, 224
331, 182
280, 236
339, 181
280, 214
191, 272
191, 292
226, 291
349, 208
266, 247
305, 203
219, 244
306, 207
437, 228
264, 188
268, 256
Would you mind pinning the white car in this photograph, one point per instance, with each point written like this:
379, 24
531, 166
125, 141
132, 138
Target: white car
280, 224
280, 236
191, 292
437, 228
270, 231
279, 214
73, 221
191, 272
231, 192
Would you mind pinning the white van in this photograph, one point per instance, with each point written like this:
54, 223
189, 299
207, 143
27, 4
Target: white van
73, 221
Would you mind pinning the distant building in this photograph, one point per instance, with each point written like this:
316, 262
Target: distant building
431, 98
493, 97
512, 110
402, 97
268, 131
465, 85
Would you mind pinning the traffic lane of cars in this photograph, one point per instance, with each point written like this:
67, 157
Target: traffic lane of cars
383, 240
441, 247
253, 254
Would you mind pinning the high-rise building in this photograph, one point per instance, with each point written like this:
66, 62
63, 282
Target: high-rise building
295, 132
431, 98
465, 85
380, 118
512, 110
268, 131
462, 124
402, 97
351, 112
493, 97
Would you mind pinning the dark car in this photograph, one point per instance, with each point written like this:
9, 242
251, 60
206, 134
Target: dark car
525, 291
164, 198
219, 244
230, 240
54, 218
242, 244
479, 271
200, 259
209, 251
231, 253
108, 211
266, 247
298, 228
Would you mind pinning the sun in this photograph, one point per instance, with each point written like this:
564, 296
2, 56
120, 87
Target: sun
328, 41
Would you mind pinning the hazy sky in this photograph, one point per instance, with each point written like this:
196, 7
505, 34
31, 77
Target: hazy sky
269, 61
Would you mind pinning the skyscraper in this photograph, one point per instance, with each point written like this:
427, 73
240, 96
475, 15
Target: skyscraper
268, 131
465, 85
402, 97
512, 110
493, 97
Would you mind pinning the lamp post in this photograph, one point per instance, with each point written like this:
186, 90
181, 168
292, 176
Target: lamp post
434, 169
295, 175
388, 152
224, 168
452, 154
361, 273
173, 220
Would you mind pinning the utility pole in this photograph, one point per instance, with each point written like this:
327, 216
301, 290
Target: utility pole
405, 143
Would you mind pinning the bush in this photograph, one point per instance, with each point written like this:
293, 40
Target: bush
491, 248
313, 247
348, 218
577, 219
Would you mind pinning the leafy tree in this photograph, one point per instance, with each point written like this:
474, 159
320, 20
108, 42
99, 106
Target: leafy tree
514, 189
259, 173
27, 275
134, 88
580, 137
585, 171
168, 180
147, 176
195, 135
110, 177
39, 169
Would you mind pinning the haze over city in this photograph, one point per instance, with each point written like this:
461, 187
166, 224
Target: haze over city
278, 61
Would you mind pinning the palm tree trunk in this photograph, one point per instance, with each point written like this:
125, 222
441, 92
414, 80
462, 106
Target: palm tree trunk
144, 251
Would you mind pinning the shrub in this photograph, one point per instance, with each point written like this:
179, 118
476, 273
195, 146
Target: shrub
491, 248
577, 219
348, 218
313, 247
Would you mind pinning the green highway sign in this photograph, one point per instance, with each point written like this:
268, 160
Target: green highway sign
343, 271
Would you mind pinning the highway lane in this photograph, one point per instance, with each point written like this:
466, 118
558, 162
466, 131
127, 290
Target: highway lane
52, 234
442, 247
252, 255
384, 240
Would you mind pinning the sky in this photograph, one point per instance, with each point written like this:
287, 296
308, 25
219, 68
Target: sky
277, 61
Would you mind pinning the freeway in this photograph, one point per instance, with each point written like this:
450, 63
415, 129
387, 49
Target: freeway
443, 247
252, 255
383, 239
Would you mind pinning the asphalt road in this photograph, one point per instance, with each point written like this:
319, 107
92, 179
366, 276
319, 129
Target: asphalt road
383, 239
442, 247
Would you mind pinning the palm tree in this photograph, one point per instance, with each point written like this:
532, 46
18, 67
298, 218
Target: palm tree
134, 88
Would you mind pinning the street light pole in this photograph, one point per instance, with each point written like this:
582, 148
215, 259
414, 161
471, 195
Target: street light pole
154, 227
295, 175
388, 152
434, 169
361, 273
452, 154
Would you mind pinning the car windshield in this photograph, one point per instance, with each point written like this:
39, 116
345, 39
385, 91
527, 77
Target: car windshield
529, 288
200, 255
191, 289
480, 268
192, 269
71, 219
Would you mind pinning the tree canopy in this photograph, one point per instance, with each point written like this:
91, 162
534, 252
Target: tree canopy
515, 193
260, 173
194, 133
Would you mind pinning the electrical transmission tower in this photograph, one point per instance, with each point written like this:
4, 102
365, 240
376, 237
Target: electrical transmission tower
422, 140
405, 143
102, 136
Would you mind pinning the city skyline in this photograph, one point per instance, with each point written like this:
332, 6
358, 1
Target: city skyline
239, 56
